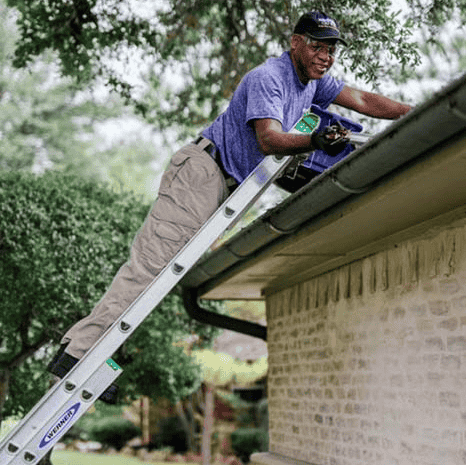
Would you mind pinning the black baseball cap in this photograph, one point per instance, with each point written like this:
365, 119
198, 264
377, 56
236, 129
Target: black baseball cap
318, 25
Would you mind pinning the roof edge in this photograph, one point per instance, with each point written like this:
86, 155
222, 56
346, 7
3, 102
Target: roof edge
403, 143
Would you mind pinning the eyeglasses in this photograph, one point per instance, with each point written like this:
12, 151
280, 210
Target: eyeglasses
316, 47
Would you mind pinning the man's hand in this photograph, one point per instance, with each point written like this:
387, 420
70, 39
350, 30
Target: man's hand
274, 141
332, 139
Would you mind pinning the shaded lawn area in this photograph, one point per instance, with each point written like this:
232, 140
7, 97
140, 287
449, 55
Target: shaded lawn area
77, 458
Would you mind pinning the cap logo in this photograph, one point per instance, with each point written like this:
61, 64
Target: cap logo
327, 23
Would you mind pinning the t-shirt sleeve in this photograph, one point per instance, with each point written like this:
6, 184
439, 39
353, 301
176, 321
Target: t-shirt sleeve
327, 91
264, 97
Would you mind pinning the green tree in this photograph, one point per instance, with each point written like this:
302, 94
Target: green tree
209, 46
40, 111
156, 361
442, 60
48, 122
62, 239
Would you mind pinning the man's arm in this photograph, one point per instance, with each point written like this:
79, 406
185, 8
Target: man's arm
371, 104
274, 141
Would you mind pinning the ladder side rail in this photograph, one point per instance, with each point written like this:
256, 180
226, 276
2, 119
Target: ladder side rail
227, 214
69, 406
146, 302
225, 217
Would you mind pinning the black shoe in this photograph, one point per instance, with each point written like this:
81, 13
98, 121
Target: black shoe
62, 363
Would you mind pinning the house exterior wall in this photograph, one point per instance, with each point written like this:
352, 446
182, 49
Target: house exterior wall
367, 363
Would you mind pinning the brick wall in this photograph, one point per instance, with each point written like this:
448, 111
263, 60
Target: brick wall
367, 363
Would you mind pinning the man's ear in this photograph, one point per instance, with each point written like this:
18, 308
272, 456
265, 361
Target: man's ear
295, 42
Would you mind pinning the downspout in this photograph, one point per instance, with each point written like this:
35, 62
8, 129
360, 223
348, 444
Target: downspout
196, 312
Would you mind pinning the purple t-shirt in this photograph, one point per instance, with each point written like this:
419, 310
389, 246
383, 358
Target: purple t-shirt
272, 90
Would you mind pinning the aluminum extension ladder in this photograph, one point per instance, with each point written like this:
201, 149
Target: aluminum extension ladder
72, 396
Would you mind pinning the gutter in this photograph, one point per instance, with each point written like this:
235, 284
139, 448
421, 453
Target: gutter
407, 141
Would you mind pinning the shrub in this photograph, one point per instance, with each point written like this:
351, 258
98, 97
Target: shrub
173, 435
247, 441
81, 429
62, 239
113, 432
263, 414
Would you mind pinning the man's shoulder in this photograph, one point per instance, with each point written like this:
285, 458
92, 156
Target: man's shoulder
276, 65
274, 69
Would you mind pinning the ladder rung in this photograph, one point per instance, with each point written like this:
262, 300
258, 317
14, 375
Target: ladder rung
124, 327
177, 268
229, 212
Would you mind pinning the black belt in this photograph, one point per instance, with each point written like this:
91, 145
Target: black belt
213, 151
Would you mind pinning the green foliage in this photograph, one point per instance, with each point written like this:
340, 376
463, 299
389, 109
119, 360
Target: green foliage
171, 436
250, 310
39, 111
113, 432
62, 240
215, 45
263, 414
123, 166
41, 114
209, 46
435, 13
28, 382
247, 441
253, 434
443, 60
64, 457
100, 411
234, 400
79, 31
47, 121
155, 365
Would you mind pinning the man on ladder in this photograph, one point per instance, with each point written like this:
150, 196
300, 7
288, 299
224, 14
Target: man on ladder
267, 105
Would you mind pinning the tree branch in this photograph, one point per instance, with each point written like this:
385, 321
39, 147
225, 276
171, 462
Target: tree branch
27, 351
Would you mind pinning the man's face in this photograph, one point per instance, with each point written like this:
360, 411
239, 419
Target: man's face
312, 58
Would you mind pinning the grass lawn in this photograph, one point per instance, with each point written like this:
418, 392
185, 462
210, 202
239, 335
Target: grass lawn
77, 458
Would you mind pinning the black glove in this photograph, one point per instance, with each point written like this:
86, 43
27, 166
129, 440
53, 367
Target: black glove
332, 139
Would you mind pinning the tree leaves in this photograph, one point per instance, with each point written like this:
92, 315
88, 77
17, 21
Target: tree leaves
209, 46
62, 240
156, 361
80, 31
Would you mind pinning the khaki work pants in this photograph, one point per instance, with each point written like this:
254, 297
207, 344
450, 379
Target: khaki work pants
192, 188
